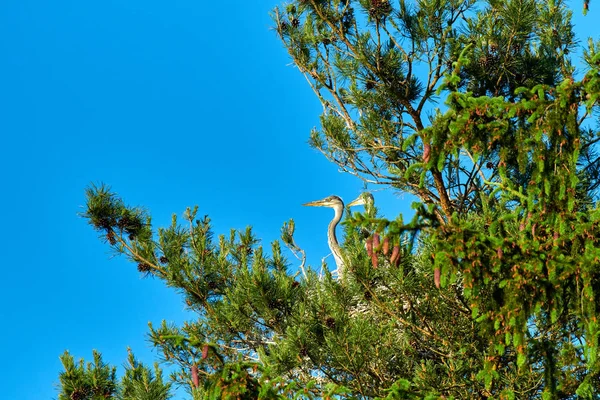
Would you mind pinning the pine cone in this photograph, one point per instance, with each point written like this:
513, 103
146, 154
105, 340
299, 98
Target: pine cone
123, 222
110, 236
375, 242
395, 255
195, 379
164, 260
78, 394
379, 8
330, 322
143, 267
483, 62
374, 260
386, 245
426, 152
488, 60
103, 223
212, 285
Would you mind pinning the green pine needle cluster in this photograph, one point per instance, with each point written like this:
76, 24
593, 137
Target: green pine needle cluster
97, 380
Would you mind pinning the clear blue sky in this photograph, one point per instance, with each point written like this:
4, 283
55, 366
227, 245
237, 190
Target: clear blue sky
172, 104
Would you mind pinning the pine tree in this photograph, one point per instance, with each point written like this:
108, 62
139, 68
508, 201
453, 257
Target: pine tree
97, 380
505, 173
489, 291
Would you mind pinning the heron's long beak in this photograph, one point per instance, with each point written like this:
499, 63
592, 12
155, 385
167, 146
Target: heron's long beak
359, 201
317, 203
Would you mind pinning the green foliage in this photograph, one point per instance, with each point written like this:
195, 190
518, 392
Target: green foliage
97, 380
80, 381
363, 337
505, 174
490, 291
140, 383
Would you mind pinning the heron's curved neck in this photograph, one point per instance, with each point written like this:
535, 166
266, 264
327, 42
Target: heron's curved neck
332, 238
370, 210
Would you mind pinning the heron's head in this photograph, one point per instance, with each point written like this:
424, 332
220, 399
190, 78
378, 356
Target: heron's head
331, 201
364, 198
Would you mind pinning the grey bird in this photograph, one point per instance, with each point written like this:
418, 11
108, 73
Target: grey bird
338, 207
365, 199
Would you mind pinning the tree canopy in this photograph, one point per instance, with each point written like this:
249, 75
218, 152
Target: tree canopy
490, 291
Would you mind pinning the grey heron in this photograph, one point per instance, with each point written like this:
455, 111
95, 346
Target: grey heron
365, 199
338, 207
372, 239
